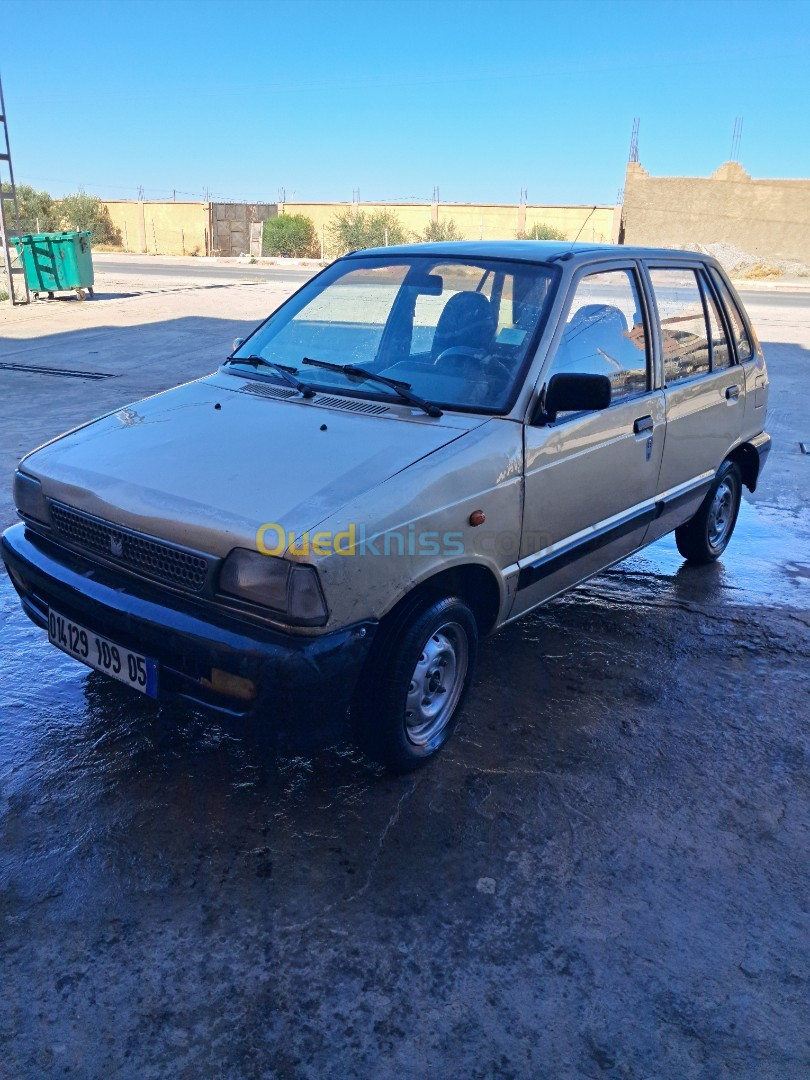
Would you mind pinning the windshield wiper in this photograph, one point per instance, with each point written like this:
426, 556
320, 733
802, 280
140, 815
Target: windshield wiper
284, 371
401, 389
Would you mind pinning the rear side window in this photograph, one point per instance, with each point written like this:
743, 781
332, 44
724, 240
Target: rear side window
740, 334
604, 333
684, 334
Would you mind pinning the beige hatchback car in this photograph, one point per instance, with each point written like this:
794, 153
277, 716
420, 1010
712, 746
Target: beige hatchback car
420, 445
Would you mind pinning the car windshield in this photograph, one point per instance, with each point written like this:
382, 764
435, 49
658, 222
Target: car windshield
457, 332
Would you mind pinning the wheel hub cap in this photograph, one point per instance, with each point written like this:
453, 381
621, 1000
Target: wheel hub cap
721, 514
436, 684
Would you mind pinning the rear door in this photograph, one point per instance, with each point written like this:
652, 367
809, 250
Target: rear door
590, 477
704, 389
748, 356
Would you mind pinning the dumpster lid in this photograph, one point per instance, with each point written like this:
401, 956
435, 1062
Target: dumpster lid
52, 236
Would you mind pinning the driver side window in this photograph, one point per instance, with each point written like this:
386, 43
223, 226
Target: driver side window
605, 333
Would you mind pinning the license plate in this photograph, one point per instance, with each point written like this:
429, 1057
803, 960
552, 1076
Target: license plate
102, 654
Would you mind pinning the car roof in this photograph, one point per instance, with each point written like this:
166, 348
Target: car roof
532, 251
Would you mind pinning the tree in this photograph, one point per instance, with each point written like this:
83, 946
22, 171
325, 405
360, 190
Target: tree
440, 230
38, 212
384, 228
541, 231
291, 235
82, 211
349, 231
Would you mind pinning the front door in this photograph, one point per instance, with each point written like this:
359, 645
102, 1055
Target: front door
591, 477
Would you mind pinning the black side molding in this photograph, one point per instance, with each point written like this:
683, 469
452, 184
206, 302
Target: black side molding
550, 564
546, 565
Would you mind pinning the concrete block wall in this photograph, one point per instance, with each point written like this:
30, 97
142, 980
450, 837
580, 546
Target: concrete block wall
162, 228
187, 228
768, 218
476, 221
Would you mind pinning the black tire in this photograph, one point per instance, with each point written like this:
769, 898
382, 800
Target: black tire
705, 536
430, 650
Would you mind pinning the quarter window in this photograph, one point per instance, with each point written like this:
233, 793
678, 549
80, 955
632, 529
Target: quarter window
684, 335
605, 334
740, 334
721, 353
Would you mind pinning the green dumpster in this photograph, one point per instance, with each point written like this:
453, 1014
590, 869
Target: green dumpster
56, 262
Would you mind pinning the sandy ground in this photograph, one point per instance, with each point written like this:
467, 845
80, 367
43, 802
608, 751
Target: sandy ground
604, 876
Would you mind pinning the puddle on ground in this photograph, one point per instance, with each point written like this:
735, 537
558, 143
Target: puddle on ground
767, 563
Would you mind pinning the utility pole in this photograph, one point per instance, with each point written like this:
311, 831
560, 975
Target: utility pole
9, 196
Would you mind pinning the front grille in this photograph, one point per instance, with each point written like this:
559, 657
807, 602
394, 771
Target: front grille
131, 551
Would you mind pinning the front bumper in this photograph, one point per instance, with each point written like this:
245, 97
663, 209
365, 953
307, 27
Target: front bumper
294, 674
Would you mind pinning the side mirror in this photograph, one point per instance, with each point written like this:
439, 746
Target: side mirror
237, 341
576, 392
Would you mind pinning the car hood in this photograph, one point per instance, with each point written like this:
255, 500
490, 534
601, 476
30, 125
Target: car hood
206, 464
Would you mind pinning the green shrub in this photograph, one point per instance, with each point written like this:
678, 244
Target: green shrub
290, 235
82, 211
542, 231
440, 230
349, 231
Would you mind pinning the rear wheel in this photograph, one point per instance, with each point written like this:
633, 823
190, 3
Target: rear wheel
705, 537
414, 684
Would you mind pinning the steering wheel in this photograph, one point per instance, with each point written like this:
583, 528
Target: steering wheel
491, 368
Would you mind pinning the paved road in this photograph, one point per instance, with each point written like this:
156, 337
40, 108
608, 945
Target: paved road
205, 270
144, 267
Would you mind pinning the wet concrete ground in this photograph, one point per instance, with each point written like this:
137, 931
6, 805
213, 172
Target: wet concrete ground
605, 875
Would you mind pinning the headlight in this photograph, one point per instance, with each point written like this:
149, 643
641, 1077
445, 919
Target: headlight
29, 499
290, 589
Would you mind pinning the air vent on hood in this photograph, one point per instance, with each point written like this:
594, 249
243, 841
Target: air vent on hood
327, 401
262, 389
371, 408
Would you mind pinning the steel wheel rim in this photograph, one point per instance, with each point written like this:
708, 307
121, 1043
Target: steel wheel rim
436, 684
721, 514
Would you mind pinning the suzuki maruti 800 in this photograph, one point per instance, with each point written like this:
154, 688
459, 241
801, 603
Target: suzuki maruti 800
422, 444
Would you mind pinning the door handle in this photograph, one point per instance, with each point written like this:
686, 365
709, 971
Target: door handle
732, 393
643, 423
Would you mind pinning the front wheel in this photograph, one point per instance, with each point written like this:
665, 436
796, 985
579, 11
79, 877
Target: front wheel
415, 682
705, 536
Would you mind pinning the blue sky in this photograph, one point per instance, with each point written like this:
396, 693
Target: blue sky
481, 99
